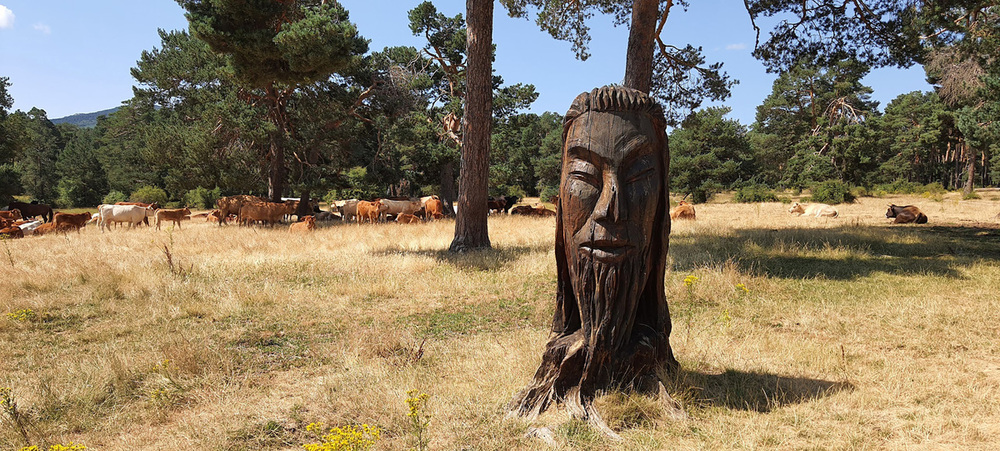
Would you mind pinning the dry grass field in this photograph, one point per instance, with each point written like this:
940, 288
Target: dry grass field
798, 333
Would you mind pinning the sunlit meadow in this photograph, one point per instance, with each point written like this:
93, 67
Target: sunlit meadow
793, 332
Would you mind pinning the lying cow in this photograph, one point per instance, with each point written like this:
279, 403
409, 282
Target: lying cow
174, 216
528, 210
11, 232
307, 224
52, 227
12, 215
683, 210
906, 214
817, 210
404, 218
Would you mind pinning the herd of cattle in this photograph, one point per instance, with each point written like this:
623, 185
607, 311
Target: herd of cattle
20, 219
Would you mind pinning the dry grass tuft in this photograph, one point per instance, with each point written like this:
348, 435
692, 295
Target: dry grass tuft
797, 333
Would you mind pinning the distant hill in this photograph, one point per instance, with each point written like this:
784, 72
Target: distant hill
85, 120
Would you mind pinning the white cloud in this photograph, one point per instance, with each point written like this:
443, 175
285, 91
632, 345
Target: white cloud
740, 46
43, 28
6, 17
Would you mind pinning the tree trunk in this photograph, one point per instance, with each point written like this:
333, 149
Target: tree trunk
970, 169
276, 174
641, 42
471, 231
305, 205
448, 187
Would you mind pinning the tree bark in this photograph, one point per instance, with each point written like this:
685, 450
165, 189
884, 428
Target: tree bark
471, 231
448, 188
276, 174
970, 169
641, 42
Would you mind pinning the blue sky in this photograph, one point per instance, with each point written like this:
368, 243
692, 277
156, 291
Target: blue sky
72, 56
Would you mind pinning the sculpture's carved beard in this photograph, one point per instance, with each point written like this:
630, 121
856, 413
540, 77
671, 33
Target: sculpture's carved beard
607, 294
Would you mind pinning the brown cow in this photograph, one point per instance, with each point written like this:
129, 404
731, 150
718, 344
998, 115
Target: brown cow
527, 210
11, 232
433, 209
12, 215
171, 215
52, 227
404, 218
267, 212
683, 210
906, 214
369, 211
77, 220
307, 224
231, 205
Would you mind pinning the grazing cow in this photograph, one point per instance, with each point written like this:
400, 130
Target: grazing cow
683, 210
171, 215
496, 204
370, 211
11, 232
509, 202
76, 220
906, 214
231, 205
398, 207
307, 224
12, 215
132, 214
816, 210
32, 210
433, 209
267, 212
404, 218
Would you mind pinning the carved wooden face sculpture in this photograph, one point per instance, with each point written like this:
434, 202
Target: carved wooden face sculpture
611, 183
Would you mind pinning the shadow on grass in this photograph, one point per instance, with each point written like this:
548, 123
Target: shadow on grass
479, 260
757, 392
842, 253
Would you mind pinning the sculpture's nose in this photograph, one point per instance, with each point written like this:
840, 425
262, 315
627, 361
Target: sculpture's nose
610, 206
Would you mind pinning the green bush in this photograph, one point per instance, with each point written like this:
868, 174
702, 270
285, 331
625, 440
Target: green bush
832, 192
754, 194
934, 188
114, 197
970, 196
899, 186
148, 195
202, 197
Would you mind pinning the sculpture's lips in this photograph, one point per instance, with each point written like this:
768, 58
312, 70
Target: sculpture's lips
606, 250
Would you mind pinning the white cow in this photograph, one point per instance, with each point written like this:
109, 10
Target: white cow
348, 209
400, 207
817, 210
29, 227
132, 214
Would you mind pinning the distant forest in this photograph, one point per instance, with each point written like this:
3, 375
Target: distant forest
84, 120
388, 123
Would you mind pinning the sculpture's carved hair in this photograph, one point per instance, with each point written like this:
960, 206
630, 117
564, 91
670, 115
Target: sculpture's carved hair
615, 99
